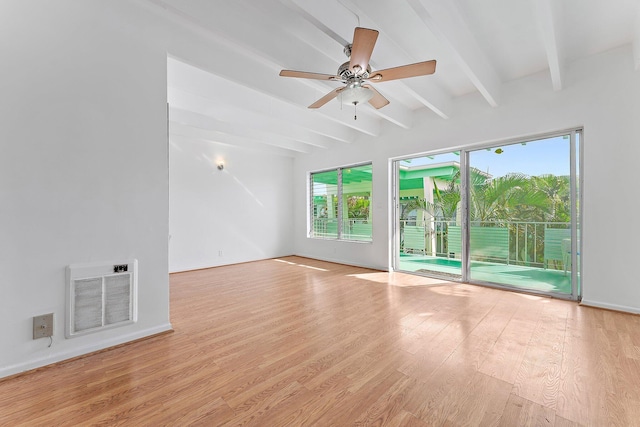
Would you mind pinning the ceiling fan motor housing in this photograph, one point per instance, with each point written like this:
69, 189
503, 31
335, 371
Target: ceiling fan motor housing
347, 74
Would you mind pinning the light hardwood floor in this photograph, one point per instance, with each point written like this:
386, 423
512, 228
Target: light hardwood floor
300, 342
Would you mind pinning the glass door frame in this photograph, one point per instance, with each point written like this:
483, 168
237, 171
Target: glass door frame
394, 226
576, 149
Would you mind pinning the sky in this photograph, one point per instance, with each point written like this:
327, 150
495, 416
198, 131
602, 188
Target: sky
546, 156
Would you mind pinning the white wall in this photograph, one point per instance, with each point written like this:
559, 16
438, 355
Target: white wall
83, 167
242, 213
602, 94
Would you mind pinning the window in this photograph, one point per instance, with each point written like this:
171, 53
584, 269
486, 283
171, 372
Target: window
340, 203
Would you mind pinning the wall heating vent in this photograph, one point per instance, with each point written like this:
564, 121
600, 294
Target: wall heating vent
100, 296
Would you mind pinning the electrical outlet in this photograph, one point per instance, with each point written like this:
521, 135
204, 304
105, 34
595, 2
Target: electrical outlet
43, 326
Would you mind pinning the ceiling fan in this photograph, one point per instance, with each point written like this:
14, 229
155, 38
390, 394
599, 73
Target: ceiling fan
356, 73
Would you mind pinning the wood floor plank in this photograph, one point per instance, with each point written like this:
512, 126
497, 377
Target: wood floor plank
538, 378
388, 405
430, 401
199, 413
355, 405
294, 342
435, 351
261, 412
525, 413
597, 381
479, 404
563, 422
631, 344
433, 324
505, 357
406, 419
581, 391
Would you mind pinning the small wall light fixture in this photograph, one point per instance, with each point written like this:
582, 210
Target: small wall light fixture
220, 165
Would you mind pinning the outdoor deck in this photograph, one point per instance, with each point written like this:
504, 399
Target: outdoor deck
530, 278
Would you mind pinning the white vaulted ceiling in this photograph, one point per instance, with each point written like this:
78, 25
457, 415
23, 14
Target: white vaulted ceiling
223, 82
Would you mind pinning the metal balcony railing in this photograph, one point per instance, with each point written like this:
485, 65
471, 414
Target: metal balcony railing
529, 243
352, 229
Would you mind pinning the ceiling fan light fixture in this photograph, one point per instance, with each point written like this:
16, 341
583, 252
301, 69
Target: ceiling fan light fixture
356, 95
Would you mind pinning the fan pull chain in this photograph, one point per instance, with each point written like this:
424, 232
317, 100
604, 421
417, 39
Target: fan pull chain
355, 111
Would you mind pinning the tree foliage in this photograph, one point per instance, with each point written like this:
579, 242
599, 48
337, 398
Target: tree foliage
513, 197
358, 206
516, 201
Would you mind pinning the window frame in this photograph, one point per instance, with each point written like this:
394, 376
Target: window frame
340, 235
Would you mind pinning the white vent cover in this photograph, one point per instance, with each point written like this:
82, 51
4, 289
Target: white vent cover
100, 296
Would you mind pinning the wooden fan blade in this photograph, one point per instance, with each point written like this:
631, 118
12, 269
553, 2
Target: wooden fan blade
328, 97
377, 101
404, 71
364, 40
306, 75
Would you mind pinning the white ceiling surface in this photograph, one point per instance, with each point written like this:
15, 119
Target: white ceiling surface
478, 45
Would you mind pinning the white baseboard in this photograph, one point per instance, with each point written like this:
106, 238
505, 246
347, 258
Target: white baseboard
342, 261
228, 261
616, 307
80, 351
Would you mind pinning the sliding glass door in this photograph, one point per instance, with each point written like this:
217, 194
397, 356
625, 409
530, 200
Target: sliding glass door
521, 214
428, 215
505, 215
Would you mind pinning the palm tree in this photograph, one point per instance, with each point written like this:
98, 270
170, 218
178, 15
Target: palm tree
506, 198
447, 200
557, 192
